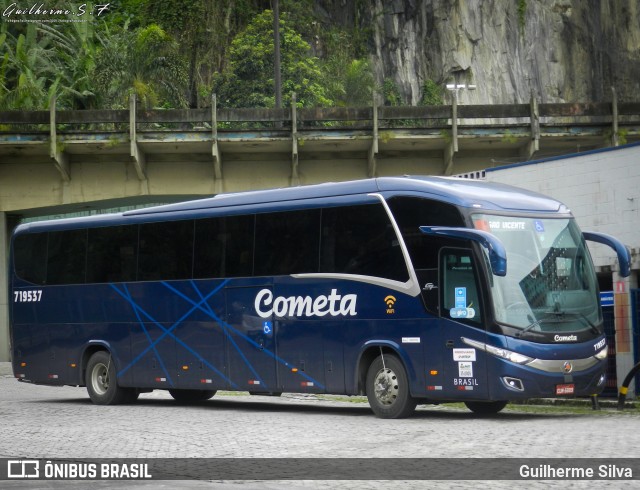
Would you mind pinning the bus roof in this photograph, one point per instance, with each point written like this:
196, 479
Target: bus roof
461, 192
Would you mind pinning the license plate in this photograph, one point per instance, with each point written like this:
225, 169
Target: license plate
567, 389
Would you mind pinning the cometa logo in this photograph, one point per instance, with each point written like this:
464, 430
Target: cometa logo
390, 301
280, 306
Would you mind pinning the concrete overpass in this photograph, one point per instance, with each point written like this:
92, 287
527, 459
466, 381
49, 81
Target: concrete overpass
54, 162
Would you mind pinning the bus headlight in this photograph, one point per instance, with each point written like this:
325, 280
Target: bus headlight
602, 355
499, 352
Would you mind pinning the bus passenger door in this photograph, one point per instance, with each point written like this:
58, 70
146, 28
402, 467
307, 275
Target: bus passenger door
251, 341
461, 317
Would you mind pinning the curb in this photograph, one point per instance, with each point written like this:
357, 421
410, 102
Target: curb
575, 402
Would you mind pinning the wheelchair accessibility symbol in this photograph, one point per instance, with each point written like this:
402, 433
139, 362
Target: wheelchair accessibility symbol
267, 328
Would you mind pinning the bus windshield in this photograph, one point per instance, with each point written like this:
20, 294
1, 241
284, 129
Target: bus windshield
550, 286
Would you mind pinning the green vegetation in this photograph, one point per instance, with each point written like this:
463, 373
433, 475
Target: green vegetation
522, 12
508, 137
145, 62
28, 76
176, 53
348, 79
391, 93
248, 81
432, 93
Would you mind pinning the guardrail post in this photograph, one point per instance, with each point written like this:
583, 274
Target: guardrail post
372, 157
615, 137
215, 148
135, 153
57, 154
295, 177
533, 146
452, 147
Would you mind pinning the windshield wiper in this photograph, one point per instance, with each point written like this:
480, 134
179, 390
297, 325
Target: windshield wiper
529, 327
559, 314
592, 325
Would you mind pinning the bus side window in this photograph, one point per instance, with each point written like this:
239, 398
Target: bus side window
287, 242
30, 257
360, 240
67, 257
459, 295
165, 250
412, 212
224, 247
112, 254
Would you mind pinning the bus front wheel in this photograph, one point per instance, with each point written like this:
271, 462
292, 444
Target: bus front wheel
388, 388
101, 382
486, 408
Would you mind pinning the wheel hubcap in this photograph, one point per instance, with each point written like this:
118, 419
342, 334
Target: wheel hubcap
100, 379
386, 386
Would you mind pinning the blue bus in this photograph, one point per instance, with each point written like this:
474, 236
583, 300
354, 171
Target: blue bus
409, 290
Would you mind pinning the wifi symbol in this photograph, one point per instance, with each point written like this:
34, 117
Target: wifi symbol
390, 301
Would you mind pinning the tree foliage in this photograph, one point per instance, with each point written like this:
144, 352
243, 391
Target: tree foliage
176, 53
349, 81
249, 79
75, 50
432, 93
144, 62
28, 74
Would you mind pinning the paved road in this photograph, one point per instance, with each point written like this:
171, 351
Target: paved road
47, 422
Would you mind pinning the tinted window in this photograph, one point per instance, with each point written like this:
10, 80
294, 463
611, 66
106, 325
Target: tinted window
361, 240
287, 242
67, 257
224, 247
30, 257
460, 297
410, 213
165, 251
111, 254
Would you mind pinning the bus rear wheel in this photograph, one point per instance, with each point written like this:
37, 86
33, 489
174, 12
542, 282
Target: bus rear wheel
192, 396
486, 408
388, 388
102, 384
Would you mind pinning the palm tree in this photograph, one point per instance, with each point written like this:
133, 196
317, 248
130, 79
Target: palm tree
76, 46
28, 74
145, 62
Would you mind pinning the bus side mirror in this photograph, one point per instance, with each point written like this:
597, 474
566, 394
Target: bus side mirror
497, 252
624, 257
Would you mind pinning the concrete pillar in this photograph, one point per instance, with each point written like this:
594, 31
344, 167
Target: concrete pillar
624, 327
4, 293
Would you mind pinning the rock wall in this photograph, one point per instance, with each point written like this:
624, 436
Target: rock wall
559, 50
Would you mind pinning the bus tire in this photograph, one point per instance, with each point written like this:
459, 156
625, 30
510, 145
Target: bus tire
387, 388
102, 384
486, 408
192, 396
131, 395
